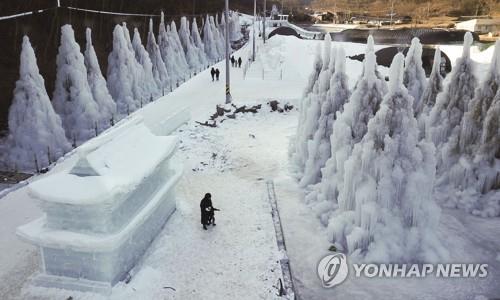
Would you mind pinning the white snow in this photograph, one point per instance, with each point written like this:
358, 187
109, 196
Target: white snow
104, 169
244, 223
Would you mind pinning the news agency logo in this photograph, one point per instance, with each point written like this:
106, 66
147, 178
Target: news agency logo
333, 270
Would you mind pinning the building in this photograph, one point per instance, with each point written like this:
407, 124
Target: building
480, 26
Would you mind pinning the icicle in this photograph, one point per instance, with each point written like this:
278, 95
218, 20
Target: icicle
326, 51
396, 73
468, 40
370, 44
340, 60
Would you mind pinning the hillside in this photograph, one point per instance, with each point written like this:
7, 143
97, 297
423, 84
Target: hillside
418, 9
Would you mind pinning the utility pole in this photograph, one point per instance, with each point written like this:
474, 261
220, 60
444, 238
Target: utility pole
228, 91
392, 10
264, 24
253, 25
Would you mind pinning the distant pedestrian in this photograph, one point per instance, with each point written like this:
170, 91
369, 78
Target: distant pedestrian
212, 72
233, 61
217, 73
239, 62
207, 211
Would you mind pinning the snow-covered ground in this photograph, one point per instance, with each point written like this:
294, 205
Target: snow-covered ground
238, 258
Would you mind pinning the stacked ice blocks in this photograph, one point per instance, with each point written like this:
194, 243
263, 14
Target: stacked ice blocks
102, 214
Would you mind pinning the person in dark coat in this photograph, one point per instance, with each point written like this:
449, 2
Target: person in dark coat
212, 72
207, 211
232, 61
239, 62
217, 73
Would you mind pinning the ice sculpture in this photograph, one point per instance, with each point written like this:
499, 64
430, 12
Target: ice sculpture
104, 212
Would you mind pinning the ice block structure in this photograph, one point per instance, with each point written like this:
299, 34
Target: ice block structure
102, 214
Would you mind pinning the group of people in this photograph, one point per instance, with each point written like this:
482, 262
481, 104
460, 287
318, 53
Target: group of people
207, 211
215, 74
236, 63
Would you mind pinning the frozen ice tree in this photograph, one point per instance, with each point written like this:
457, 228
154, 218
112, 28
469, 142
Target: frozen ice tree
148, 81
168, 52
179, 51
105, 103
121, 77
274, 11
432, 89
197, 42
370, 47
451, 104
36, 136
298, 149
313, 117
192, 55
73, 99
489, 149
386, 211
160, 72
319, 148
474, 181
470, 166
234, 27
220, 43
473, 119
348, 130
172, 52
414, 75
209, 41
144, 84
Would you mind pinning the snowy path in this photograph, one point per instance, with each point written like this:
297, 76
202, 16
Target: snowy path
200, 95
238, 258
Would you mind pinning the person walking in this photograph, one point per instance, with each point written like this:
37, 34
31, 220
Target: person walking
217, 73
239, 62
233, 61
207, 211
212, 72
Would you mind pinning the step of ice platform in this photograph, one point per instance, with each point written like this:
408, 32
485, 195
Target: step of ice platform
81, 285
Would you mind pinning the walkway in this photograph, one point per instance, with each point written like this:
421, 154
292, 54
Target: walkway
241, 249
